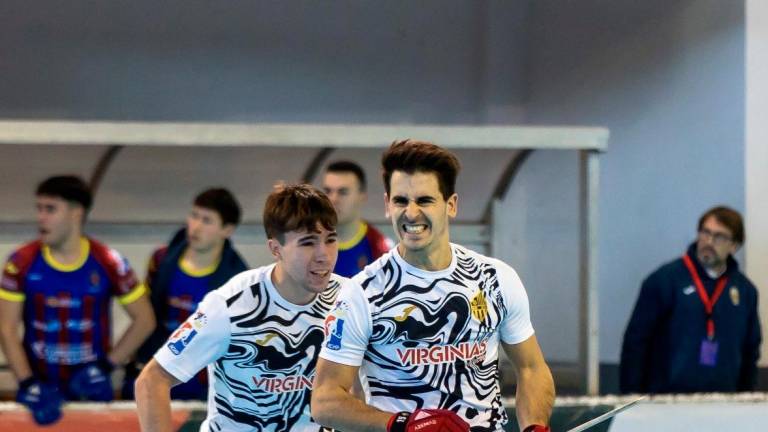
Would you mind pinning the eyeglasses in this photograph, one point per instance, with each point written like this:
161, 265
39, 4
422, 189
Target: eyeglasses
717, 238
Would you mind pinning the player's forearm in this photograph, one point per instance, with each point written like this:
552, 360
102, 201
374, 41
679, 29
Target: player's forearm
14, 353
535, 396
338, 409
131, 340
153, 400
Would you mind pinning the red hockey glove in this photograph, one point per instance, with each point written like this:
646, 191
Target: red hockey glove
536, 428
427, 420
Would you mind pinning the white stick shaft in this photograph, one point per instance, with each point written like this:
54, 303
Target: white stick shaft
604, 417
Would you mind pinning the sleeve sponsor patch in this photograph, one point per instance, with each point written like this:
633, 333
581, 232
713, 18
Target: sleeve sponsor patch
126, 279
11, 269
10, 276
9, 284
334, 325
183, 336
121, 264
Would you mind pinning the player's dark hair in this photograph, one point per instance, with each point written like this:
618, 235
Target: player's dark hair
728, 217
410, 156
297, 207
345, 166
222, 202
70, 188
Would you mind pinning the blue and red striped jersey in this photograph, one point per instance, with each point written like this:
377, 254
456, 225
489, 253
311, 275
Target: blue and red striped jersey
366, 246
66, 312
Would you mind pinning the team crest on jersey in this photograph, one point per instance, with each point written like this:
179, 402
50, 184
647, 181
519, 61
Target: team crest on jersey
184, 334
95, 279
735, 298
479, 307
11, 269
199, 320
340, 309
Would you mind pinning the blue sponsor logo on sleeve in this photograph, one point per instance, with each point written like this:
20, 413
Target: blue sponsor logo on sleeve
334, 326
335, 333
184, 335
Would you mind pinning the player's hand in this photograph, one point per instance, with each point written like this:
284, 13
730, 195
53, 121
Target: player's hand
93, 382
536, 428
43, 400
427, 420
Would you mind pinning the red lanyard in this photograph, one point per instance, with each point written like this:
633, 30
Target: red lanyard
709, 304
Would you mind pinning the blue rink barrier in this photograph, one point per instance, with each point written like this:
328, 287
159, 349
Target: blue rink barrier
679, 413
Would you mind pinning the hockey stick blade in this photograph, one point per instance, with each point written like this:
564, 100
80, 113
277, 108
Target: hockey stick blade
604, 417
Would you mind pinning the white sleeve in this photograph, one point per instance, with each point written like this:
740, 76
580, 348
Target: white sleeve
347, 327
516, 326
199, 341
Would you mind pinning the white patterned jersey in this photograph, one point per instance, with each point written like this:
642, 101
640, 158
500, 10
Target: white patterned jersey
260, 350
431, 339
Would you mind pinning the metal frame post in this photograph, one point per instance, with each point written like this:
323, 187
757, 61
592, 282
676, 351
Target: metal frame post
589, 211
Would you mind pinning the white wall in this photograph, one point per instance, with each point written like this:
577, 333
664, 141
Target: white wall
539, 219
701, 416
667, 78
303, 61
756, 147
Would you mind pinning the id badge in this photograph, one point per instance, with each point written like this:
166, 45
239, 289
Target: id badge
708, 353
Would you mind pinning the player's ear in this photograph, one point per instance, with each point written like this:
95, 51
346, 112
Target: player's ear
274, 247
453, 205
734, 247
386, 205
229, 229
78, 213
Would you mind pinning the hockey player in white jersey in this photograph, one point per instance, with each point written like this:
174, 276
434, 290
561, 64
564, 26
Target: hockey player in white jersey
260, 333
428, 321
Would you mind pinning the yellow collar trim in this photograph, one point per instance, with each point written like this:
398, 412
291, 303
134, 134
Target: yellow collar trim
194, 272
85, 249
349, 244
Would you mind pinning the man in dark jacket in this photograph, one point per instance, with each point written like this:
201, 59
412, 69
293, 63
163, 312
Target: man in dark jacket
695, 327
198, 259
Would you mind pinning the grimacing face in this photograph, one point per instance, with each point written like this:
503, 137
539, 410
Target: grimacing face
57, 219
344, 192
419, 212
714, 243
205, 229
307, 258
